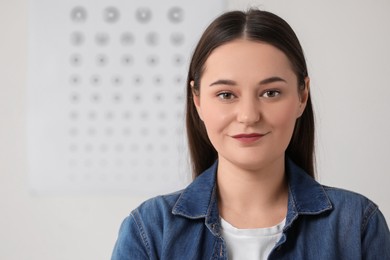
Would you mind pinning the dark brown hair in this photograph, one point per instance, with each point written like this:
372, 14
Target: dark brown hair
260, 26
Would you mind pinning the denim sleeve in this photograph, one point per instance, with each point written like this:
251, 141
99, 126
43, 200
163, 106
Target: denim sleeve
375, 236
131, 244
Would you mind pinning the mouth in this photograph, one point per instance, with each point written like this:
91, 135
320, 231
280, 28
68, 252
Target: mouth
248, 138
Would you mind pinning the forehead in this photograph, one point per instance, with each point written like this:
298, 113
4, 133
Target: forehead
245, 55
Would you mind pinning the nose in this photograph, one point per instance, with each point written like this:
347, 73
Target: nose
248, 111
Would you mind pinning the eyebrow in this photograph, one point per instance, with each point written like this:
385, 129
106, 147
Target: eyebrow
233, 83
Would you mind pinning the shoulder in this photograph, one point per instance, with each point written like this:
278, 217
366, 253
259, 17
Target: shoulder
161, 205
351, 208
141, 232
351, 204
343, 196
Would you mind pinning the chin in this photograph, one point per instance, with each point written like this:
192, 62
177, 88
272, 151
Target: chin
256, 163
250, 165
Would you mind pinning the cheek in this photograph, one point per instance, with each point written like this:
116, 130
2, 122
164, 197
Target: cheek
216, 118
283, 118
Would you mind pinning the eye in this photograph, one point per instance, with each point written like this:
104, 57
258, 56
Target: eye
225, 95
271, 93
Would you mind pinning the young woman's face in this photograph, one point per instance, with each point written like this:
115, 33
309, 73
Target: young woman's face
249, 102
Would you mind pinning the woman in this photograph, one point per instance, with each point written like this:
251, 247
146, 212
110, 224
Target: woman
251, 139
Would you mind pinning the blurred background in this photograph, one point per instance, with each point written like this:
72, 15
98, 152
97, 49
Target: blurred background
346, 46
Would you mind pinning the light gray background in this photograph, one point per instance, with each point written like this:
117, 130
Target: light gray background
346, 44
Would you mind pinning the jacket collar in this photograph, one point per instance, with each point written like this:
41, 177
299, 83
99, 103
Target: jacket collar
306, 196
195, 201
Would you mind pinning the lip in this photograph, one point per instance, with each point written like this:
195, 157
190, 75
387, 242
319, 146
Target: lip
248, 138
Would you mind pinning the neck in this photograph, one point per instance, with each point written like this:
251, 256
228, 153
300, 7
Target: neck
252, 198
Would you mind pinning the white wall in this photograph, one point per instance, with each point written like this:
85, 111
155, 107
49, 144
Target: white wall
346, 44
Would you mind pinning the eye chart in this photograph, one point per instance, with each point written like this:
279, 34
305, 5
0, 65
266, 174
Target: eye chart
106, 93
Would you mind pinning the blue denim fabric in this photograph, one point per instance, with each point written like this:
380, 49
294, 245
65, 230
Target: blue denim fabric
321, 223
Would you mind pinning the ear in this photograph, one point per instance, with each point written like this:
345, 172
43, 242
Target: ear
304, 96
196, 99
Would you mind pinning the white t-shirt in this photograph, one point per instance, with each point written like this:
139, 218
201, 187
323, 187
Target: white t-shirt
250, 244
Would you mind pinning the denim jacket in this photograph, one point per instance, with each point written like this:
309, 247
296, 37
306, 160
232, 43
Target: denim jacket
321, 223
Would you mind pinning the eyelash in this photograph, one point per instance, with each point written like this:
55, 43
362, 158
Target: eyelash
277, 92
267, 94
222, 95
